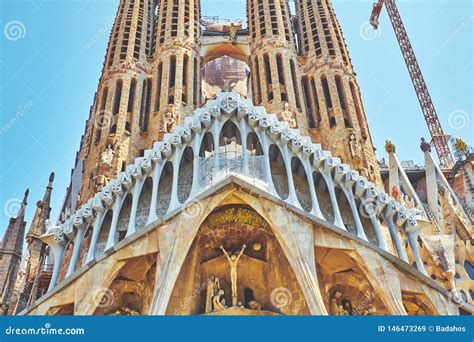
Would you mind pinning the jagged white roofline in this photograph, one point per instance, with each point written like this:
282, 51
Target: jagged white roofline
230, 104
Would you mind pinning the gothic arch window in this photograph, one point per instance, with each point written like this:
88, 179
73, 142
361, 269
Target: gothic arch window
268, 76
171, 79
294, 79
230, 143
101, 117
322, 192
327, 99
131, 95
104, 232
360, 116
281, 77
207, 146
116, 106
184, 92
145, 105
117, 97
124, 218
143, 207
164, 189
314, 94
185, 175
159, 75
278, 170
307, 102
254, 148
301, 184
343, 102
345, 209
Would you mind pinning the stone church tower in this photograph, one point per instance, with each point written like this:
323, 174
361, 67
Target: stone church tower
11, 250
152, 75
335, 113
37, 274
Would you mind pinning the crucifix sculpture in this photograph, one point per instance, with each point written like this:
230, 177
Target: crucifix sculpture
233, 261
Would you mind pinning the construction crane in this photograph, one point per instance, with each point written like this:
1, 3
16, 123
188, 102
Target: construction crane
439, 139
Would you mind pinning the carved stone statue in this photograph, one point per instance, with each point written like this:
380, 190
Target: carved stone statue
335, 305
288, 116
218, 303
107, 155
212, 289
233, 261
233, 33
168, 123
425, 146
353, 145
389, 147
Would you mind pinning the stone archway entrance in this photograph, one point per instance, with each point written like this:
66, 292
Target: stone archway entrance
345, 289
265, 285
224, 65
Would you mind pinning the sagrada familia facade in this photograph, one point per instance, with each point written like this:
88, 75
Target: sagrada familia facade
264, 198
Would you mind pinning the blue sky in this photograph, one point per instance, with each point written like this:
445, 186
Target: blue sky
51, 55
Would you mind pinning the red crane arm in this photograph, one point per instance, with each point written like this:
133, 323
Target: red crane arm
439, 139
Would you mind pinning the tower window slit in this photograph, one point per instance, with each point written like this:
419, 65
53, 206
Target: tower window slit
184, 95
171, 79
343, 102
327, 99
268, 76
307, 102
159, 76
101, 117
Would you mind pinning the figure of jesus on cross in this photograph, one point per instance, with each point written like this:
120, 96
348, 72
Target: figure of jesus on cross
233, 260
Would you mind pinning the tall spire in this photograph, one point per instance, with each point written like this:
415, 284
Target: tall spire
11, 250
43, 209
